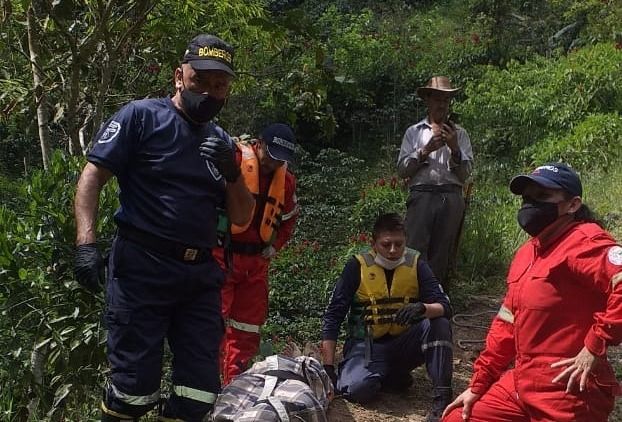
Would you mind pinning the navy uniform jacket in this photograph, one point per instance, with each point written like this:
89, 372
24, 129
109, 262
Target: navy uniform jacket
166, 187
430, 291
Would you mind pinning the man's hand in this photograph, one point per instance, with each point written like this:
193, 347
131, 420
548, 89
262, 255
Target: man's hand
330, 370
268, 252
410, 313
221, 153
579, 368
89, 267
467, 399
433, 144
450, 136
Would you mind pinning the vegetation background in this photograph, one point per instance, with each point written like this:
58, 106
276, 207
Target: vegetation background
541, 81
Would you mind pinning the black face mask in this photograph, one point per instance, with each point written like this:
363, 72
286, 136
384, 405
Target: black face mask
534, 215
200, 108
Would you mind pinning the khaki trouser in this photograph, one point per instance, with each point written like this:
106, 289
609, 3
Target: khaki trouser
432, 223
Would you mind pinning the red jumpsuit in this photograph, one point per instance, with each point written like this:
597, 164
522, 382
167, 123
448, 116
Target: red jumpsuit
245, 291
564, 293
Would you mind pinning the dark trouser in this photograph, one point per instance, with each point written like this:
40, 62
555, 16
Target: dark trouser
432, 223
427, 342
151, 297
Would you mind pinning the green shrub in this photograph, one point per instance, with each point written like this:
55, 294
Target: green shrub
593, 144
46, 316
383, 196
510, 109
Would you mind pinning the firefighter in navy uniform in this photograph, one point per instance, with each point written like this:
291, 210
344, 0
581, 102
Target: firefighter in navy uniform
174, 167
264, 163
398, 320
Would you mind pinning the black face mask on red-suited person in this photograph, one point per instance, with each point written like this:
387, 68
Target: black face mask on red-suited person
200, 108
533, 216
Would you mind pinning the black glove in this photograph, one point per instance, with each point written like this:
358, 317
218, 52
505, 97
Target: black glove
221, 153
410, 313
330, 370
89, 267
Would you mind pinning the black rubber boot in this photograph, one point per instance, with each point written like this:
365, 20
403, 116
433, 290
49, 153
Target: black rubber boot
441, 397
397, 382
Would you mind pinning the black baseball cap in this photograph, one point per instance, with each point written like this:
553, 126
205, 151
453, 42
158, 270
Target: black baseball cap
552, 176
280, 141
208, 52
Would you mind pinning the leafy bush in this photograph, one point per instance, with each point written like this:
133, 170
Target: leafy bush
384, 196
591, 145
52, 328
328, 186
510, 109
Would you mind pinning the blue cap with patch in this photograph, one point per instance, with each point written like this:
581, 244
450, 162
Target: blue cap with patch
551, 176
280, 141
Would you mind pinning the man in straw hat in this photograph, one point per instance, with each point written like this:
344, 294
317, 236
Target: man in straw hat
436, 155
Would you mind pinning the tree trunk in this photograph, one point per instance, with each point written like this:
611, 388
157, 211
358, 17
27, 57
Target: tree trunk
39, 89
73, 126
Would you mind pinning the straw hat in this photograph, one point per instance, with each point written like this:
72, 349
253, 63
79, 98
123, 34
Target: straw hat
436, 84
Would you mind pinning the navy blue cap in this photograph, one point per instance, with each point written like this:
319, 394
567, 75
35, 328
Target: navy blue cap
552, 176
208, 52
280, 141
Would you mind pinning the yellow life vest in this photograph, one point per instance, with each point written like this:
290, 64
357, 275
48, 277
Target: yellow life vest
273, 209
374, 306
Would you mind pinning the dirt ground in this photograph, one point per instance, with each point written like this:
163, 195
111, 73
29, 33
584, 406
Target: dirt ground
413, 406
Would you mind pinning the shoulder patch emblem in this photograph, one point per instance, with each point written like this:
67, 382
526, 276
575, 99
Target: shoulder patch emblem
615, 255
110, 133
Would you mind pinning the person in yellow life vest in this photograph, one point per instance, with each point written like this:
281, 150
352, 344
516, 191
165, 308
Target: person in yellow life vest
398, 320
264, 165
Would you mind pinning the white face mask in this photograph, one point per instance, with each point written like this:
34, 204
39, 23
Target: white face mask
388, 264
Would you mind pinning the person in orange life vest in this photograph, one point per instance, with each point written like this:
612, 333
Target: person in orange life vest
562, 309
264, 164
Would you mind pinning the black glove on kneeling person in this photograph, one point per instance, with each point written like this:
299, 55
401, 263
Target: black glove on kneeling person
410, 313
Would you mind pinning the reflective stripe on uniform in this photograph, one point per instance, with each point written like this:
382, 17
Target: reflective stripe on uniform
242, 326
290, 214
135, 400
194, 394
436, 343
506, 315
616, 279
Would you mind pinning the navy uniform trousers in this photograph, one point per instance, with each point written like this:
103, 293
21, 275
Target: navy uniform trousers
393, 358
151, 297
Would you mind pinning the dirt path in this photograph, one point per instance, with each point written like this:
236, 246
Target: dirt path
413, 405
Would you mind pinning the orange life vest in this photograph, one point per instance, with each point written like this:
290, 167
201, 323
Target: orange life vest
273, 209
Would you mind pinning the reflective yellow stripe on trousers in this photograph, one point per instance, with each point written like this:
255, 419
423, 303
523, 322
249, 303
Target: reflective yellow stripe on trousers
194, 394
135, 400
242, 326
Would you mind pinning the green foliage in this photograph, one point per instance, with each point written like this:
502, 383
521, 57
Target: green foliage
602, 190
384, 196
510, 109
45, 315
328, 186
303, 274
594, 144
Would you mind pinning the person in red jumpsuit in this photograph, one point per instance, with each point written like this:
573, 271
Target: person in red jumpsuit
264, 165
562, 310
